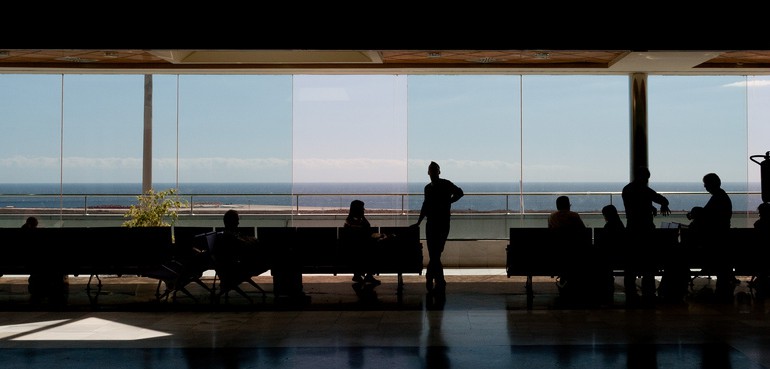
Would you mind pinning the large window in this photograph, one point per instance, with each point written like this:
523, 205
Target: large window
349, 138
697, 125
30, 146
470, 126
30, 115
286, 142
234, 137
575, 139
758, 134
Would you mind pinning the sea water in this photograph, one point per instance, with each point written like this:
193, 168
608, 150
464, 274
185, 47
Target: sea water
480, 196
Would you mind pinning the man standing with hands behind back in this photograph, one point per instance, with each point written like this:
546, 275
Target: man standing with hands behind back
436, 206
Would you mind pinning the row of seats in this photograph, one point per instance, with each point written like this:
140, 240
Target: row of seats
543, 252
179, 256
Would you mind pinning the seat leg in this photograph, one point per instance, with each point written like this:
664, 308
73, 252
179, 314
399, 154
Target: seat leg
251, 282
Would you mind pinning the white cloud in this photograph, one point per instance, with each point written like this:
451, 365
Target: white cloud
29, 162
224, 163
750, 83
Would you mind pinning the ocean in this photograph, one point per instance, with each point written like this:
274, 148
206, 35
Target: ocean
480, 196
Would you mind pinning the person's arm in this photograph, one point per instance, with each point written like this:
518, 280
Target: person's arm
422, 213
663, 201
457, 193
580, 221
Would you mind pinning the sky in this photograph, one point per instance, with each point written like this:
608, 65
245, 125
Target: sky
376, 128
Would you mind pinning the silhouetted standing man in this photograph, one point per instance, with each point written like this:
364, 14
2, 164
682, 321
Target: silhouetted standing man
436, 206
638, 199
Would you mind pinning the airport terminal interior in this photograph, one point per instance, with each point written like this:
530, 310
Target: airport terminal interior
484, 319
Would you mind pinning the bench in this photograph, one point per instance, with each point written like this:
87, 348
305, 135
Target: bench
85, 250
539, 252
542, 252
91, 251
322, 250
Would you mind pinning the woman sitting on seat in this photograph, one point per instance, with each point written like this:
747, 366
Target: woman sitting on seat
365, 261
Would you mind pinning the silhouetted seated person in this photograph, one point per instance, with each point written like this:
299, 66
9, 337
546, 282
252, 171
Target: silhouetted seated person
761, 281
613, 242
30, 223
674, 283
238, 257
46, 279
362, 242
716, 218
763, 223
576, 280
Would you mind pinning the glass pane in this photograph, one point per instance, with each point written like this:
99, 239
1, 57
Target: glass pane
235, 138
575, 139
350, 140
103, 138
469, 125
758, 135
697, 125
30, 157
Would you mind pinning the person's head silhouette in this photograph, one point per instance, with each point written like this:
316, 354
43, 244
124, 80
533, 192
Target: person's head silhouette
711, 182
434, 170
231, 219
356, 209
610, 212
30, 223
562, 203
764, 210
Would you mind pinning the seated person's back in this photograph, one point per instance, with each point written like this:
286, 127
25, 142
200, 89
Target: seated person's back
233, 248
564, 218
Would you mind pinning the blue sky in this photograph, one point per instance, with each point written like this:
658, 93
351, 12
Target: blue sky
376, 128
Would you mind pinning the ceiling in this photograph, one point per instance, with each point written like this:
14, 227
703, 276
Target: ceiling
286, 61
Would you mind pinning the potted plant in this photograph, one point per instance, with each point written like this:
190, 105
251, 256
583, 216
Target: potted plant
155, 209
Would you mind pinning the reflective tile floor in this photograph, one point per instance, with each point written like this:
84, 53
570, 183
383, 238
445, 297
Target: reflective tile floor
483, 321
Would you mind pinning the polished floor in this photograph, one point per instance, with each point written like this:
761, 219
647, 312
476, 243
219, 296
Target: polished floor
484, 320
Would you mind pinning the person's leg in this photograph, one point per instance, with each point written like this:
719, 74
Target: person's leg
432, 238
371, 263
634, 265
629, 284
438, 249
648, 285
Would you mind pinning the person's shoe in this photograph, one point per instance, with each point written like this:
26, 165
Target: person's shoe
371, 280
357, 278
